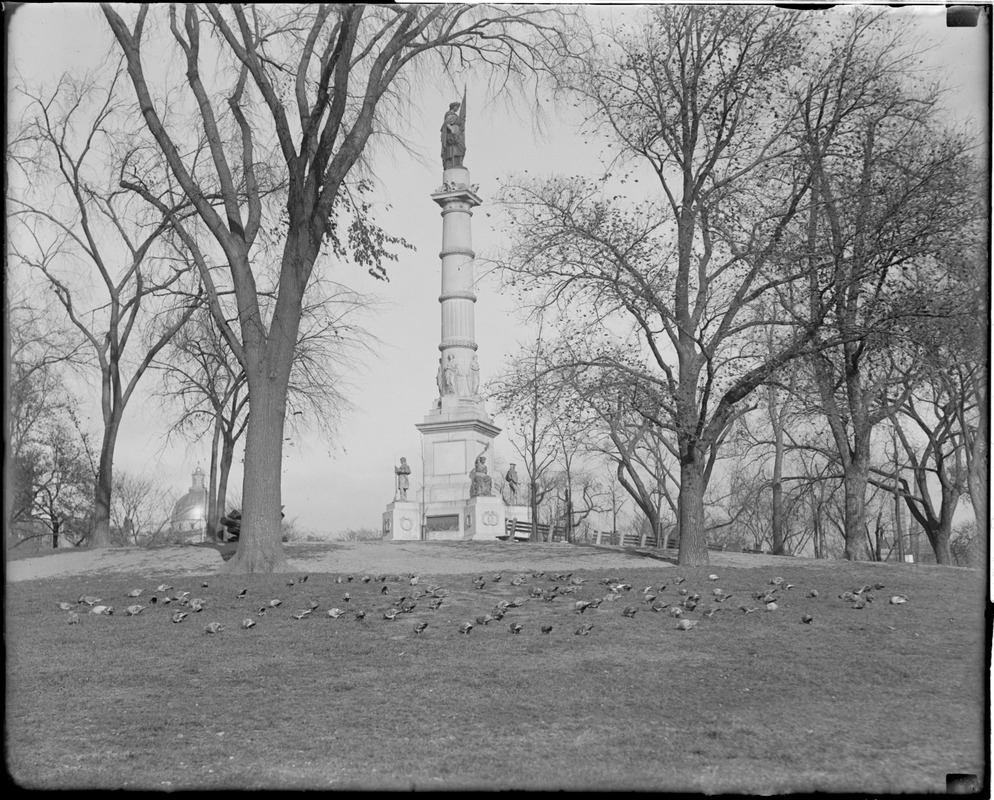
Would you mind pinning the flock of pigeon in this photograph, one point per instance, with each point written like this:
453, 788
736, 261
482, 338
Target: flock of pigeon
681, 604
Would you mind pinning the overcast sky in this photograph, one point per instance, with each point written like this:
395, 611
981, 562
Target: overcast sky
333, 486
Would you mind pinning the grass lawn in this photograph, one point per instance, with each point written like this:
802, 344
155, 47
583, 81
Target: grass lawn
887, 698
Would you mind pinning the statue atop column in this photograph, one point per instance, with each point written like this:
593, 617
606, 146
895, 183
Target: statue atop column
403, 482
481, 484
454, 134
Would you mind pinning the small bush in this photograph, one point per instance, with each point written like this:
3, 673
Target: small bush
965, 546
359, 535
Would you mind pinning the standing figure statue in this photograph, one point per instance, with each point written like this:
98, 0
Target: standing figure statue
440, 378
454, 134
512, 482
481, 484
474, 377
403, 482
451, 371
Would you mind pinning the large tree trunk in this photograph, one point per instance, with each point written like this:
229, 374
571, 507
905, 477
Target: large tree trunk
856, 478
211, 522
227, 456
260, 547
940, 538
100, 537
816, 532
938, 533
693, 542
533, 503
777, 510
977, 475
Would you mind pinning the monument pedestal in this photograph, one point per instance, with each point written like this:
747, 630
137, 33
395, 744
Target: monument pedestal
484, 518
402, 521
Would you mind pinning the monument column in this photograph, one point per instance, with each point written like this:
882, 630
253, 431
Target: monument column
457, 431
458, 499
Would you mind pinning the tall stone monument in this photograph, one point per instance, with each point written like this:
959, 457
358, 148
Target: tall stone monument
458, 497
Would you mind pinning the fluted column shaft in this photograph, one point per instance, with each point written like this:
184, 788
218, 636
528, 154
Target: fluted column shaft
457, 344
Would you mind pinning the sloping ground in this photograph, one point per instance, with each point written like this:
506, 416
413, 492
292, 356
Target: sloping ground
438, 557
151, 561
817, 694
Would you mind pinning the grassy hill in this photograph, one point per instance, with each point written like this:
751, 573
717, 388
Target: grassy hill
883, 698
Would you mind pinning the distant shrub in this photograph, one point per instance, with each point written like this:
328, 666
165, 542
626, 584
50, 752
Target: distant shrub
359, 535
965, 546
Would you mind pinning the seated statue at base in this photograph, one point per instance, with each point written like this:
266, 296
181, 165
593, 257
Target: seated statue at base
480, 483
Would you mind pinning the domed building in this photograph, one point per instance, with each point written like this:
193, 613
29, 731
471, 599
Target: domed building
189, 515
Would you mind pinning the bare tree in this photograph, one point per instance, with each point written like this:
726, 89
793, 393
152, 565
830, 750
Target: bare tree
39, 357
929, 428
199, 373
141, 508
891, 191
59, 469
286, 99
73, 220
697, 100
528, 403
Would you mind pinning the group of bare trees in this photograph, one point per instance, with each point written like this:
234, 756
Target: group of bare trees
810, 235
811, 244
242, 185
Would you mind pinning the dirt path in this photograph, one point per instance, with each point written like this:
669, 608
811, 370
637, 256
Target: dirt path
431, 558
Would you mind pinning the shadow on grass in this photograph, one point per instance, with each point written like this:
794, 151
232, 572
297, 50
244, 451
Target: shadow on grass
655, 555
226, 549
